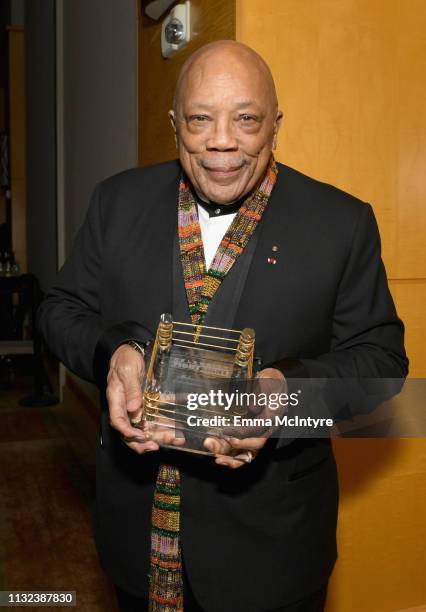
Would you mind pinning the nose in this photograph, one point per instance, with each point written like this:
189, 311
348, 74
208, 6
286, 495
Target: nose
222, 136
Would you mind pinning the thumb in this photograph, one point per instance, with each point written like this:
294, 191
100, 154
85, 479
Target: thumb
133, 394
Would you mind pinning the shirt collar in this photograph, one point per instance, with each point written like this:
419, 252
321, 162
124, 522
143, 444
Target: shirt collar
219, 210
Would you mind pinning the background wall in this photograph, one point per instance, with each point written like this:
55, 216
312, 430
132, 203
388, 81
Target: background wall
98, 67
100, 98
17, 143
41, 139
17, 9
350, 79
97, 109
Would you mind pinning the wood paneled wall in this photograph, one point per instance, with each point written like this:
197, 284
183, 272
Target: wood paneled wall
350, 79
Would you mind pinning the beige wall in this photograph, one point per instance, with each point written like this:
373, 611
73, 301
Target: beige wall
351, 82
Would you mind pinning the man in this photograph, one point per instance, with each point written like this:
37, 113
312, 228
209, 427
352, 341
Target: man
303, 269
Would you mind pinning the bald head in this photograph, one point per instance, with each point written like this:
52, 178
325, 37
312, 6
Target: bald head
222, 54
226, 118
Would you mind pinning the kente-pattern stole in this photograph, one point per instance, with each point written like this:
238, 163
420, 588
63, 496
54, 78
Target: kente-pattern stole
166, 585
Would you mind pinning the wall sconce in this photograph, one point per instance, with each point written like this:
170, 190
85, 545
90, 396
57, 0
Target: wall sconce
176, 29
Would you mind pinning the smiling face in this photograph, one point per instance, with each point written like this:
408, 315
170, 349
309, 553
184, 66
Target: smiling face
225, 120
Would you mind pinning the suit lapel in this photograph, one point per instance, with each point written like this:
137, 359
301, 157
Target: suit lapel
224, 306
264, 300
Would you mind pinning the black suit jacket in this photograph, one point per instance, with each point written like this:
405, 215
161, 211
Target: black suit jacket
262, 536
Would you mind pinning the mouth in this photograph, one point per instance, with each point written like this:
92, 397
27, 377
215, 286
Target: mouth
223, 171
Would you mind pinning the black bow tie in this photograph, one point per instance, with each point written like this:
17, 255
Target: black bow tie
218, 210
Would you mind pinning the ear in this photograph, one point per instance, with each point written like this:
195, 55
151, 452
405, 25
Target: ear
172, 118
277, 125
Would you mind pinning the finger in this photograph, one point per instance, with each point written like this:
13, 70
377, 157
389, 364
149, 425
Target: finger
152, 441
167, 437
160, 424
140, 438
133, 393
118, 417
122, 424
129, 377
232, 462
218, 446
271, 373
141, 448
164, 434
243, 433
247, 443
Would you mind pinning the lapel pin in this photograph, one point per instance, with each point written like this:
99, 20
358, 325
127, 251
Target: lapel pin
272, 260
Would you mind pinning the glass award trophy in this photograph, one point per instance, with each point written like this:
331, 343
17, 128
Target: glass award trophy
192, 373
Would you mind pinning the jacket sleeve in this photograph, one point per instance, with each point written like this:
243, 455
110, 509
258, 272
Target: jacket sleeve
366, 363
70, 317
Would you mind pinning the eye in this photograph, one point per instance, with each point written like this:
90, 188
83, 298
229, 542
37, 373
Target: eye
245, 118
199, 118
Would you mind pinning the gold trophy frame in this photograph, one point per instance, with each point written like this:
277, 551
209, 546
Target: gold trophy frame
188, 358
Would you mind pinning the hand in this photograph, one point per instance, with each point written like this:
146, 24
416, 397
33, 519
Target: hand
251, 445
125, 401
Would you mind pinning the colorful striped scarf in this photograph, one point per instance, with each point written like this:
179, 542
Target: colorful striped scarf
166, 586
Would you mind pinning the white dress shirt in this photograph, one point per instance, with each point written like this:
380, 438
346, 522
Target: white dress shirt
213, 230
